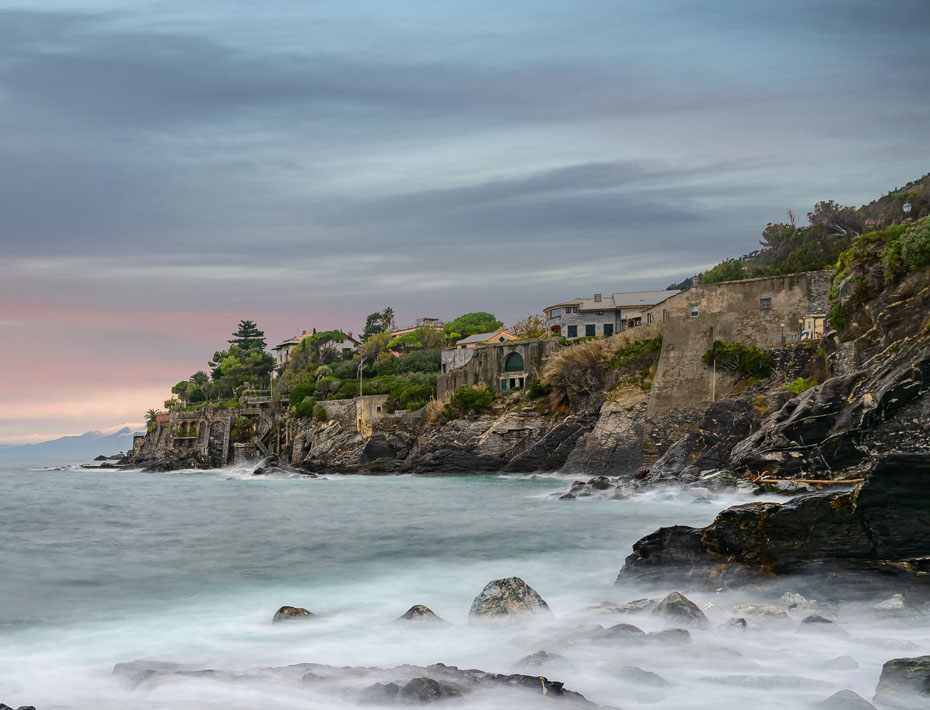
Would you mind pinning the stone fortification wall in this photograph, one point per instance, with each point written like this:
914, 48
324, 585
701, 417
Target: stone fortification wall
340, 410
486, 366
761, 312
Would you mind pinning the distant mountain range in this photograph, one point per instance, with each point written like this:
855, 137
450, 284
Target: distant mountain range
83, 447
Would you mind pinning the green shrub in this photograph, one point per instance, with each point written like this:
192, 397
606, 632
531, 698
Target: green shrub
538, 390
801, 384
301, 392
472, 400
346, 369
837, 317
304, 409
728, 270
426, 361
639, 355
915, 245
319, 413
747, 360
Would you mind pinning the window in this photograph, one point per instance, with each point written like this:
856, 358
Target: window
378, 409
464, 347
695, 310
765, 303
514, 363
504, 384
649, 319
572, 331
589, 330
608, 329
501, 339
555, 312
664, 315
571, 309
445, 367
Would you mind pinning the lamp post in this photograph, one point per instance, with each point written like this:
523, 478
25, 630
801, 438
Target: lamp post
360, 376
782, 333
906, 207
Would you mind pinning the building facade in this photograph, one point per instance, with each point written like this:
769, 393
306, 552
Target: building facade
501, 367
601, 316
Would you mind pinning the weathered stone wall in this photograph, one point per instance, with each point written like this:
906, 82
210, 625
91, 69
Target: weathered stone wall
486, 366
684, 386
340, 410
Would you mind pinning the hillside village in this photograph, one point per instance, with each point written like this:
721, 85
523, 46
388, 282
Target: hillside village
606, 382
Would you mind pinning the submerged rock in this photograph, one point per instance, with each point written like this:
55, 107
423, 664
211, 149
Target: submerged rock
735, 623
508, 597
405, 684
291, 613
845, 700
897, 605
3, 706
905, 684
840, 663
678, 607
670, 637
540, 658
637, 676
421, 614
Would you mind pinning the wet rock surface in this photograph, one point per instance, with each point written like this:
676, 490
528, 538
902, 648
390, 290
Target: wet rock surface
507, 597
878, 525
904, 684
291, 613
845, 700
421, 614
677, 607
400, 685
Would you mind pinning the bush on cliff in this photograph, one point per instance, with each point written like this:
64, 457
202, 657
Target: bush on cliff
915, 245
304, 409
577, 372
319, 413
471, 400
746, 360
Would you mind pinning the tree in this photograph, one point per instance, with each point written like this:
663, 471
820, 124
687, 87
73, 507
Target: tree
379, 322
248, 336
469, 324
836, 219
150, 417
533, 326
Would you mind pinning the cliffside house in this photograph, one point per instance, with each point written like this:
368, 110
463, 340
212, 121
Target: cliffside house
600, 316
480, 339
434, 323
500, 366
282, 351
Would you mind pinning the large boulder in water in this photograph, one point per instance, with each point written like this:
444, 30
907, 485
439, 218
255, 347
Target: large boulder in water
905, 684
878, 525
506, 597
677, 607
291, 613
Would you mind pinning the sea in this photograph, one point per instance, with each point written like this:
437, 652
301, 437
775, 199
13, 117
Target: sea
101, 567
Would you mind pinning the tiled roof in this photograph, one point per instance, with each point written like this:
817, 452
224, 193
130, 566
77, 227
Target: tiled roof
479, 337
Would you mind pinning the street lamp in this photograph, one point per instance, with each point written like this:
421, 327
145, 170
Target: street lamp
360, 376
782, 333
906, 207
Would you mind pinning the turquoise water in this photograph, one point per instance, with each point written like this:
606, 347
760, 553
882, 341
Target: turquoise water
101, 567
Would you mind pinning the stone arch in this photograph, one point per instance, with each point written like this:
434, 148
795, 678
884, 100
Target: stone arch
514, 363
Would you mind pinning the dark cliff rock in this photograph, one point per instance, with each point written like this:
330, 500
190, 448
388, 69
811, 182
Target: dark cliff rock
881, 524
723, 426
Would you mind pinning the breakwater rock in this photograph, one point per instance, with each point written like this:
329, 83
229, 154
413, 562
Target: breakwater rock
880, 524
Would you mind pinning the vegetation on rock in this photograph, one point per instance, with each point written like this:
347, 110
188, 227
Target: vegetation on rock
746, 360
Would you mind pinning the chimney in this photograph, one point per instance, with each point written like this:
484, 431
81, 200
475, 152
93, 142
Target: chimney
597, 298
694, 280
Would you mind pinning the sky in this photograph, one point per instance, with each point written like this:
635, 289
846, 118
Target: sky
168, 168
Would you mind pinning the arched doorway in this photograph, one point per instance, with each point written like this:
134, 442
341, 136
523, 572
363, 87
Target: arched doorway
514, 363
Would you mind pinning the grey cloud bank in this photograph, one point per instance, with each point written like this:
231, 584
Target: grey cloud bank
311, 164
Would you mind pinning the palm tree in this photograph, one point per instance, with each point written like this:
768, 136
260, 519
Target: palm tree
150, 417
